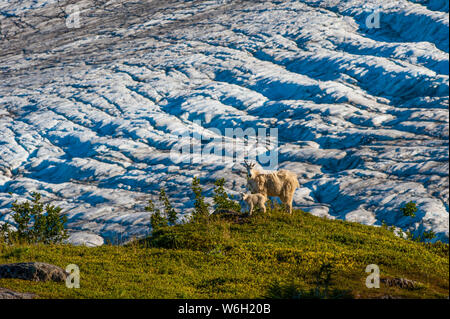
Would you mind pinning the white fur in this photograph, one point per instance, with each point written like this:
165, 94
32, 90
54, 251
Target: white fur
253, 200
281, 184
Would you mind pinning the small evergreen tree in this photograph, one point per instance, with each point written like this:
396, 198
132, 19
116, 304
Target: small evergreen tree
156, 219
409, 235
409, 209
169, 211
49, 228
428, 234
201, 211
4, 232
221, 198
36, 223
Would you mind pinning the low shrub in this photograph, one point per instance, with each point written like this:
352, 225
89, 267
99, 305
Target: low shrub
410, 209
222, 200
35, 223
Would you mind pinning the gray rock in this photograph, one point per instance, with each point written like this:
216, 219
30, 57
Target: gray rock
9, 294
400, 282
35, 271
85, 239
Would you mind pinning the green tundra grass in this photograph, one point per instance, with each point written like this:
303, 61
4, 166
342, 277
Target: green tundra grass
270, 256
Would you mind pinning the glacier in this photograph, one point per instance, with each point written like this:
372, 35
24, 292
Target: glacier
89, 114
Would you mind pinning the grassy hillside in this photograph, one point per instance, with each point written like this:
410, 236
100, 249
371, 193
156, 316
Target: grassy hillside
276, 256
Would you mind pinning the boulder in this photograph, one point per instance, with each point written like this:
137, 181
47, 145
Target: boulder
85, 239
35, 271
399, 282
9, 294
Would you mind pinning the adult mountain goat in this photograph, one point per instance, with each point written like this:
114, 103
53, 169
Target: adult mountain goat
281, 184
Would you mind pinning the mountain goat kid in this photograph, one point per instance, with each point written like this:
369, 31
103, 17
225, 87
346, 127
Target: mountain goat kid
252, 200
281, 184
